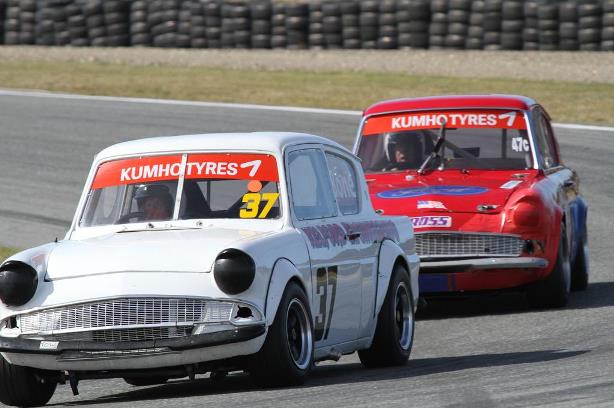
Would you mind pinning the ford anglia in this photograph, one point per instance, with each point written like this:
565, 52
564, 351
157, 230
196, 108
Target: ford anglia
210, 253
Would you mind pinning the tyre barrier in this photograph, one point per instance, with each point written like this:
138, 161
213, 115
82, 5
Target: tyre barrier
570, 25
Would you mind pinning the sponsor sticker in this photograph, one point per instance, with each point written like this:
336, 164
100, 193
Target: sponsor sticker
160, 168
500, 119
431, 222
436, 190
48, 345
511, 184
431, 204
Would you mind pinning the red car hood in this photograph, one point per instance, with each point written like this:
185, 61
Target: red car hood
473, 191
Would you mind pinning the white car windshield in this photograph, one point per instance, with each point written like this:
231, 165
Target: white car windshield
220, 185
473, 140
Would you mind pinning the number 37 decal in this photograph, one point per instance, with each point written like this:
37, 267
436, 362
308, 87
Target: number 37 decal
253, 200
326, 279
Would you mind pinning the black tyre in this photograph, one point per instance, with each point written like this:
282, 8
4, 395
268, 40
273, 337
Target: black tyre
580, 269
144, 381
287, 354
22, 386
553, 291
394, 334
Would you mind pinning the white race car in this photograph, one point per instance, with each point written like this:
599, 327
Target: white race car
210, 253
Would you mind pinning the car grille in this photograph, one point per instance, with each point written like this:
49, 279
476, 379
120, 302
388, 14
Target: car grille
114, 335
467, 245
126, 319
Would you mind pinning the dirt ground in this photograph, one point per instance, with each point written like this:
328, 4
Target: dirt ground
556, 66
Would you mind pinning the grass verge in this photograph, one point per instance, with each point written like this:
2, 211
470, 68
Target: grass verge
6, 252
566, 101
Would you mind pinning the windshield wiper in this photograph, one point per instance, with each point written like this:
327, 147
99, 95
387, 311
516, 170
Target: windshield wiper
438, 145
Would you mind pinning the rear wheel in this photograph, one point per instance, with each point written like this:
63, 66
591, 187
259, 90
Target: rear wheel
554, 290
581, 267
394, 335
24, 386
287, 354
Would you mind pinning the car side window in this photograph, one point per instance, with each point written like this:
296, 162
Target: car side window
545, 141
312, 194
343, 178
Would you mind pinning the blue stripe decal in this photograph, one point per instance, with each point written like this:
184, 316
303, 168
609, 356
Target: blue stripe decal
434, 282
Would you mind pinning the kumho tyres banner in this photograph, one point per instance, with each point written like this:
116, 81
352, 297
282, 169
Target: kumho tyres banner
586, 25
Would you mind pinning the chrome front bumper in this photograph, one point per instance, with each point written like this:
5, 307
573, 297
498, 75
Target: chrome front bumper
460, 265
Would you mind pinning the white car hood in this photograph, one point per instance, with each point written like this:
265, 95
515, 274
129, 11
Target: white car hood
192, 250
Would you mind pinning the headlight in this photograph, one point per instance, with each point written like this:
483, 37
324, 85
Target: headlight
527, 214
18, 282
234, 271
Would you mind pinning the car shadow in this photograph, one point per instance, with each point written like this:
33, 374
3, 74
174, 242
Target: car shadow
597, 295
333, 374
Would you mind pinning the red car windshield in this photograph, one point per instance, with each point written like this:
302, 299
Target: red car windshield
484, 139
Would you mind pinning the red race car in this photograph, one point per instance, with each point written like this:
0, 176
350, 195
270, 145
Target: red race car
492, 204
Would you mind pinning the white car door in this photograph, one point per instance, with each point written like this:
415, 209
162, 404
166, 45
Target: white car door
335, 274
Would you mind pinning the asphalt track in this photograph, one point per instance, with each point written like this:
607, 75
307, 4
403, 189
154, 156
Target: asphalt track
481, 352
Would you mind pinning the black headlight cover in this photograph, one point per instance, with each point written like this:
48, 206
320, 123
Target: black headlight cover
234, 271
18, 282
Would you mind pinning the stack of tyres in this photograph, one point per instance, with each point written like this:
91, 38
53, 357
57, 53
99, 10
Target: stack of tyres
438, 29
350, 22
77, 25
331, 24
45, 26
184, 24
530, 32
369, 24
403, 24
163, 15
387, 38
213, 23
316, 33
261, 12
95, 23
607, 32
475, 32
512, 24
589, 26
297, 23
139, 26
198, 36
568, 26
12, 24
278, 26
492, 24
548, 25
228, 27
242, 24
458, 27
117, 20
27, 21
2, 17
420, 18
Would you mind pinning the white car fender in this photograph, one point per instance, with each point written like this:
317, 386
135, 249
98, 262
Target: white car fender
388, 254
283, 271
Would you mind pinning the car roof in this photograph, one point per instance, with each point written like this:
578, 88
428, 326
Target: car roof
272, 142
451, 102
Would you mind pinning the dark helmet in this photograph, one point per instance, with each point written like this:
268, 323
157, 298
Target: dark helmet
154, 190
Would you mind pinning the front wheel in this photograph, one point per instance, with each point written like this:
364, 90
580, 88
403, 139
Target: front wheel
287, 354
554, 290
394, 335
24, 386
580, 269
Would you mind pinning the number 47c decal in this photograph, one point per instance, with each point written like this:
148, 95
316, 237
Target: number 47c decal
325, 277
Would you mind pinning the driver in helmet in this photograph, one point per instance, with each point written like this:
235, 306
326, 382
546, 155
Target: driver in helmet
154, 201
403, 151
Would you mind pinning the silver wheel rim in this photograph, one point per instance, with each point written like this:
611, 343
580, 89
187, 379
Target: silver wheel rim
299, 337
404, 316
